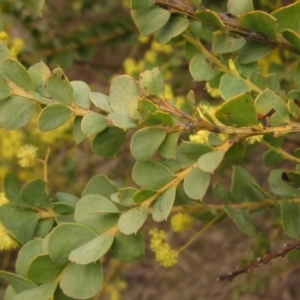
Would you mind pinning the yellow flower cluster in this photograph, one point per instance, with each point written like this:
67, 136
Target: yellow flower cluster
7, 242
164, 254
215, 93
27, 155
114, 290
181, 222
200, 136
15, 45
133, 67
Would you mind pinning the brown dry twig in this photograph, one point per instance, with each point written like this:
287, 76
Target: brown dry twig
260, 261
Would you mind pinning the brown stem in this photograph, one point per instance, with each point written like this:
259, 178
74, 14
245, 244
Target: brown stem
260, 261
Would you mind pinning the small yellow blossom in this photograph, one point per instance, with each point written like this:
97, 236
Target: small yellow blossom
181, 222
156, 46
4, 37
166, 256
27, 155
274, 58
6, 241
3, 199
200, 137
158, 237
129, 66
167, 49
17, 45
231, 65
114, 290
215, 93
140, 66
168, 91
143, 39
254, 139
150, 56
161, 48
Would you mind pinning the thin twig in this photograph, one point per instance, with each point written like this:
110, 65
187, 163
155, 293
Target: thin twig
260, 261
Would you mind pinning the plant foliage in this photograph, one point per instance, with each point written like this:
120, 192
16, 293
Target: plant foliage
68, 235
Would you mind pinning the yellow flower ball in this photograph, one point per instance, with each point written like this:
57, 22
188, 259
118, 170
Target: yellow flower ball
181, 222
166, 256
7, 242
27, 155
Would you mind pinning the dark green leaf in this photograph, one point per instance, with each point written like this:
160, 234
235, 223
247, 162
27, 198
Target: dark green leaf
101, 101
208, 162
79, 136
100, 185
36, 269
82, 281
280, 187
92, 250
244, 186
96, 212
4, 52
109, 142
139, 5
39, 73
93, 123
143, 195
196, 183
201, 68
253, 51
132, 220
174, 27
152, 82
267, 102
34, 194
288, 17
241, 219
150, 20
26, 254
5, 91
16, 73
65, 238
163, 205
81, 94
210, 17
260, 21
168, 147
128, 248
20, 223
145, 142
232, 85
123, 92
237, 8
16, 112
223, 43
290, 212
151, 175
19, 283
272, 157
59, 87
54, 116
238, 111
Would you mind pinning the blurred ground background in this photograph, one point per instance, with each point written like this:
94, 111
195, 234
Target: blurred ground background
94, 41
